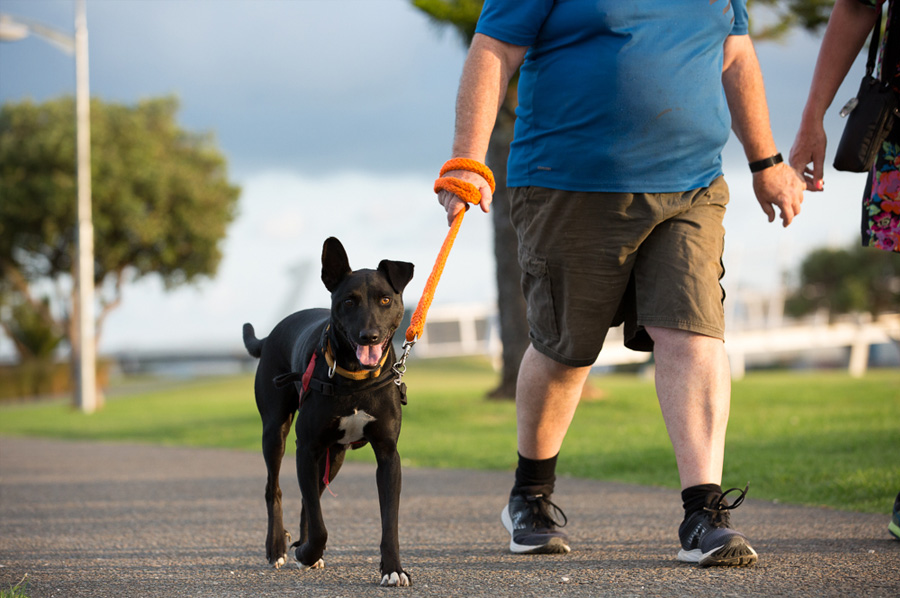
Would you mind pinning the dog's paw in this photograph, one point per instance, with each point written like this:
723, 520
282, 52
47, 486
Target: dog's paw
395, 579
320, 564
306, 557
277, 563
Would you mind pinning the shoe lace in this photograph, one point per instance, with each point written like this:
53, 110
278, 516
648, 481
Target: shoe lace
719, 508
540, 509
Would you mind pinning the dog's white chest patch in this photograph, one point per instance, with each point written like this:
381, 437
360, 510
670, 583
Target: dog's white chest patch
353, 425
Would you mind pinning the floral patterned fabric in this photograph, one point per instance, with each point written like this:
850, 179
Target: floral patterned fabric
881, 199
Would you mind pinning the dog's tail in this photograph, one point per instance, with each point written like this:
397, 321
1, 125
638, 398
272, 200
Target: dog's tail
253, 344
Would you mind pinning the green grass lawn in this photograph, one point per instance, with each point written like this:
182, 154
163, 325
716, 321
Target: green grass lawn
813, 438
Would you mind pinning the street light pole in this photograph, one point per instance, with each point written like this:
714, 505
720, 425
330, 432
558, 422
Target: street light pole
84, 350
86, 394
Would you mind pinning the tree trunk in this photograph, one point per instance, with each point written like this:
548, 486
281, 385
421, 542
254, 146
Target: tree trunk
510, 300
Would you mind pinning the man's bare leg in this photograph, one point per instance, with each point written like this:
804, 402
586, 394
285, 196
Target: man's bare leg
547, 394
693, 383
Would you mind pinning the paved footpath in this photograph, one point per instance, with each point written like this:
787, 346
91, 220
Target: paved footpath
121, 521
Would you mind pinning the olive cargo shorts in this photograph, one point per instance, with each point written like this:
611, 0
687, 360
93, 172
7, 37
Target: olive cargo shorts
591, 261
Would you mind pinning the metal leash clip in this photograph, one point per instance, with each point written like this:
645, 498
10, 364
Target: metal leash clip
399, 368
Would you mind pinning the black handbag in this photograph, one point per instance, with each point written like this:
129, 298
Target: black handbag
870, 117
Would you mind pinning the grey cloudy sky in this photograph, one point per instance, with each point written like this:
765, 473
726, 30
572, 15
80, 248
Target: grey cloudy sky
313, 86
335, 116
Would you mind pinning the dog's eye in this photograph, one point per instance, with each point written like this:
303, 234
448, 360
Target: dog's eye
385, 300
349, 302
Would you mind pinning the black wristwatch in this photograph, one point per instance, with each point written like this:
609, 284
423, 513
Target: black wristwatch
765, 163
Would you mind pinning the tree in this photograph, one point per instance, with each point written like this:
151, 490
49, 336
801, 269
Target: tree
161, 205
780, 16
842, 281
36, 343
32, 336
462, 15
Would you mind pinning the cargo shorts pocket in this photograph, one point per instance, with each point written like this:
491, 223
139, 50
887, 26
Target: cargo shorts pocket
538, 290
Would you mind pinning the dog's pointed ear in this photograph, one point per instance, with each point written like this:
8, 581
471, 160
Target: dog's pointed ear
398, 273
335, 265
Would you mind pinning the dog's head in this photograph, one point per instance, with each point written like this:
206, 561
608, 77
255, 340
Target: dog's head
366, 305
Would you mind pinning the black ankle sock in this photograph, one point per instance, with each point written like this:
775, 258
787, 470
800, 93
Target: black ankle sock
535, 476
697, 497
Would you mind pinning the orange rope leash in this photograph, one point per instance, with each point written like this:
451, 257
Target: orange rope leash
472, 166
468, 192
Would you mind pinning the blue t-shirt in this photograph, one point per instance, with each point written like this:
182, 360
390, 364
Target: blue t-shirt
618, 96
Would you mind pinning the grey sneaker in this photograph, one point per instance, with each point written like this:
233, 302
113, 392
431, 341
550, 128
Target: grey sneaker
707, 538
531, 527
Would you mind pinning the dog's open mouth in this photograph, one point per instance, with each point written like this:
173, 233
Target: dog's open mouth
369, 356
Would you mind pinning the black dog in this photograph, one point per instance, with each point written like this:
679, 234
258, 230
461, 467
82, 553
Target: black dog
338, 363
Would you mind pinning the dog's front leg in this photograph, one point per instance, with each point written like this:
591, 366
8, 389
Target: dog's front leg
389, 480
310, 551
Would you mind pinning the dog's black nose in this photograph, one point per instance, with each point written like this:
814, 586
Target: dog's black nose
369, 336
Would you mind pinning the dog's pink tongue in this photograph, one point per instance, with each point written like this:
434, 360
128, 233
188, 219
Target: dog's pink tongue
368, 355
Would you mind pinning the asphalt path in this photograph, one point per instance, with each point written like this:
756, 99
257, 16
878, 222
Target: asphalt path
121, 521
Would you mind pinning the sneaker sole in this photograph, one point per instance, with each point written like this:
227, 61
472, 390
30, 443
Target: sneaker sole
735, 553
554, 546
894, 529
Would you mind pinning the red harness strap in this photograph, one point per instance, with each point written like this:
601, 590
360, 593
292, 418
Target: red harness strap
307, 376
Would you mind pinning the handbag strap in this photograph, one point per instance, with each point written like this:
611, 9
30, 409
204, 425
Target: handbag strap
873, 46
890, 51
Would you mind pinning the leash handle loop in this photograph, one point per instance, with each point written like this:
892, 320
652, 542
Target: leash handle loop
458, 187
472, 166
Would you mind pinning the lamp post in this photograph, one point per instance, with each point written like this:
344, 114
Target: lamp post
84, 347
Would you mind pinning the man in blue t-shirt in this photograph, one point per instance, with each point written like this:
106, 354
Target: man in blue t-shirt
617, 198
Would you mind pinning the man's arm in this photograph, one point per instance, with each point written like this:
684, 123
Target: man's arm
489, 66
778, 186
